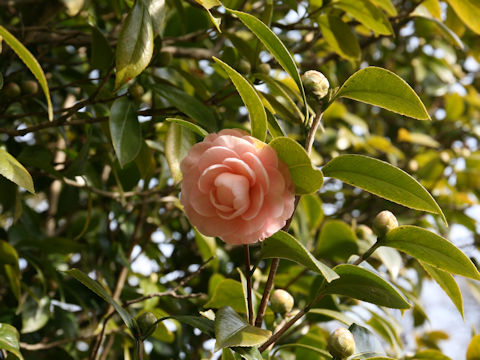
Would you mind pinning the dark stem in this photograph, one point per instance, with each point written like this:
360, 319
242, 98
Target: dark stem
367, 253
249, 283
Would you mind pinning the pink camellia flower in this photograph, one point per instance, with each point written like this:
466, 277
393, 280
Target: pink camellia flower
235, 187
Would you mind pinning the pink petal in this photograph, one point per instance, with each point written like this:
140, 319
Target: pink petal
206, 180
256, 202
215, 155
241, 168
258, 168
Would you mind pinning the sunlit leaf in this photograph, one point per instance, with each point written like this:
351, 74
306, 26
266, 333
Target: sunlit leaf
9, 340
15, 172
177, 143
469, 12
339, 36
368, 14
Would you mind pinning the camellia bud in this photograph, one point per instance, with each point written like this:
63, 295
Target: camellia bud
136, 91
363, 232
341, 344
384, 222
12, 90
316, 84
244, 67
264, 68
147, 323
281, 301
29, 87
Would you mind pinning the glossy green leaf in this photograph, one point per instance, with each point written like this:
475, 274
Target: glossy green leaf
189, 105
274, 45
35, 314
366, 341
473, 350
100, 291
31, 63
125, 130
227, 354
448, 284
387, 6
382, 179
430, 354
199, 322
135, 44
449, 34
362, 284
336, 241
285, 246
432, 249
258, 117
312, 206
383, 88
248, 353
207, 5
469, 12
305, 176
15, 172
339, 36
334, 315
322, 352
102, 52
9, 262
156, 9
177, 143
191, 126
9, 340
232, 330
385, 327
228, 292
368, 14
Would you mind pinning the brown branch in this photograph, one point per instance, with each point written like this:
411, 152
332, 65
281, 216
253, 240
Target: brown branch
249, 283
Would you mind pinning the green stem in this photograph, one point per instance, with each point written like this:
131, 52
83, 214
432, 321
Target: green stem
368, 253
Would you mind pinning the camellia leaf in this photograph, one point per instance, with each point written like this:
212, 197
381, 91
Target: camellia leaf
432, 249
387, 6
156, 9
275, 46
366, 341
449, 34
339, 36
15, 172
258, 117
187, 104
35, 313
334, 315
382, 179
228, 292
368, 14
448, 284
207, 5
324, 353
248, 353
9, 340
191, 126
359, 283
177, 143
125, 130
204, 325
135, 44
100, 291
285, 246
31, 63
102, 52
336, 241
469, 12
232, 330
473, 350
306, 178
383, 88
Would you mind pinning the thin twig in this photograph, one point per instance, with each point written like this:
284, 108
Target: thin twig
249, 283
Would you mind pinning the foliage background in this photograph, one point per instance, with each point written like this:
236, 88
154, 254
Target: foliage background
103, 201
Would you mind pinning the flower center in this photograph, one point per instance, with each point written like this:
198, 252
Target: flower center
231, 191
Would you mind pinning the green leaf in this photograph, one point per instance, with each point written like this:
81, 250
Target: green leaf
473, 350
383, 88
227, 292
31, 63
469, 12
382, 179
336, 241
102, 52
35, 314
135, 44
368, 14
365, 340
334, 315
232, 330
9, 260
340, 37
177, 143
322, 352
431, 249
243, 280
362, 284
100, 291
204, 325
430, 354
258, 117
15, 172
306, 178
189, 105
191, 126
387, 6
207, 5
285, 246
156, 9
125, 130
9, 340
275, 46
448, 284
248, 353
449, 34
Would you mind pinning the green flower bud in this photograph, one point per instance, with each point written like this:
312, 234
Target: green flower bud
281, 301
136, 91
384, 222
29, 87
341, 344
363, 232
244, 67
12, 90
316, 84
147, 324
164, 59
264, 68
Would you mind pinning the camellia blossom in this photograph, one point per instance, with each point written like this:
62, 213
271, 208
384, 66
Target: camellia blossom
235, 187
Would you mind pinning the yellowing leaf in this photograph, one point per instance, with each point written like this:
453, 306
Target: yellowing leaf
15, 172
